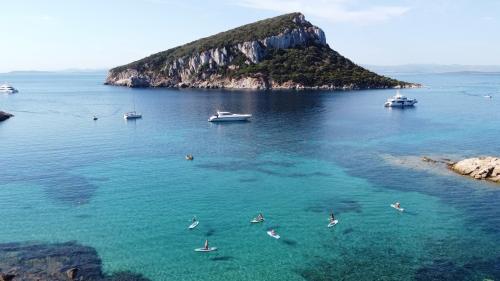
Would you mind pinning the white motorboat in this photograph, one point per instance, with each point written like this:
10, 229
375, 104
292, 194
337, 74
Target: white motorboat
8, 89
223, 116
399, 101
132, 115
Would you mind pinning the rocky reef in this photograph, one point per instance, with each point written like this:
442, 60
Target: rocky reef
4, 116
480, 168
285, 52
55, 262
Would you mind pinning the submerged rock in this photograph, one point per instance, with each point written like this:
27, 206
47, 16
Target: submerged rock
480, 168
55, 262
4, 116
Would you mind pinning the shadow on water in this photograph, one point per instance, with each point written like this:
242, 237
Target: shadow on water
289, 242
68, 188
336, 205
442, 269
210, 232
222, 258
271, 168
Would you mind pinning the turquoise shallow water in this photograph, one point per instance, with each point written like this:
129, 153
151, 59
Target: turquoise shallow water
125, 189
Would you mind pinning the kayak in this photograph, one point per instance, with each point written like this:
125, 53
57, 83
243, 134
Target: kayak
333, 223
194, 224
256, 220
205, 250
395, 207
276, 236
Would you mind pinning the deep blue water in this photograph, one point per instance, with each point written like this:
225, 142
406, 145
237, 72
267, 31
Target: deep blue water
125, 189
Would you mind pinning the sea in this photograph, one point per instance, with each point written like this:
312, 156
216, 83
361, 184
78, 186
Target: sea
125, 188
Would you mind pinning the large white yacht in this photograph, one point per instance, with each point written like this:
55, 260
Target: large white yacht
399, 101
7, 89
132, 115
223, 116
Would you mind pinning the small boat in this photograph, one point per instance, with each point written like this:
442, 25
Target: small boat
488, 96
273, 235
332, 223
256, 220
8, 89
399, 101
224, 116
189, 157
397, 208
194, 224
132, 115
210, 249
205, 248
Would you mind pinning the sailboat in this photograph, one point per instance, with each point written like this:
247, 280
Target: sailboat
132, 114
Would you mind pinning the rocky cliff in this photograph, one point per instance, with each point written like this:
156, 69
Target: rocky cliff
282, 52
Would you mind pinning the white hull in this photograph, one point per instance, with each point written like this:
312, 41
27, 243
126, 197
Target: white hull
400, 101
400, 104
8, 92
131, 115
228, 117
7, 89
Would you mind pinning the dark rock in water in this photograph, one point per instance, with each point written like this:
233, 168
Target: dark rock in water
72, 272
6, 277
55, 262
4, 116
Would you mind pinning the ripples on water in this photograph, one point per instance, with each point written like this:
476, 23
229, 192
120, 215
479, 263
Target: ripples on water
125, 189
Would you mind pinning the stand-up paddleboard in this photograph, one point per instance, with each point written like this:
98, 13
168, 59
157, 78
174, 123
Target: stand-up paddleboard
255, 220
194, 224
205, 250
276, 236
395, 207
333, 223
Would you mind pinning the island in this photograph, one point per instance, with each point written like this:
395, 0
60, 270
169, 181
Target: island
284, 52
4, 116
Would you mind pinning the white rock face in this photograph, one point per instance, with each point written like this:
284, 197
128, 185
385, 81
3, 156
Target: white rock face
190, 71
487, 168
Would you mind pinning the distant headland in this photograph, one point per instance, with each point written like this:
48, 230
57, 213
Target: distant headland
284, 52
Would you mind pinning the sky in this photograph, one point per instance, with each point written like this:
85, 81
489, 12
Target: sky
100, 34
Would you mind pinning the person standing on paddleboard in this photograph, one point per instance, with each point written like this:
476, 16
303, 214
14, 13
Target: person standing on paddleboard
260, 217
206, 244
332, 217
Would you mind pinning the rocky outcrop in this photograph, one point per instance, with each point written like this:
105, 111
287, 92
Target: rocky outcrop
55, 262
220, 66
480, 168
187, 71
4, 116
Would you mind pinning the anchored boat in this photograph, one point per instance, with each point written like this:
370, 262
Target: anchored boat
399, 101
223, 116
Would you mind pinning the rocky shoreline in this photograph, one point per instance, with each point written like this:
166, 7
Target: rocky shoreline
479, 168
4, 116
133, 79
33, 261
